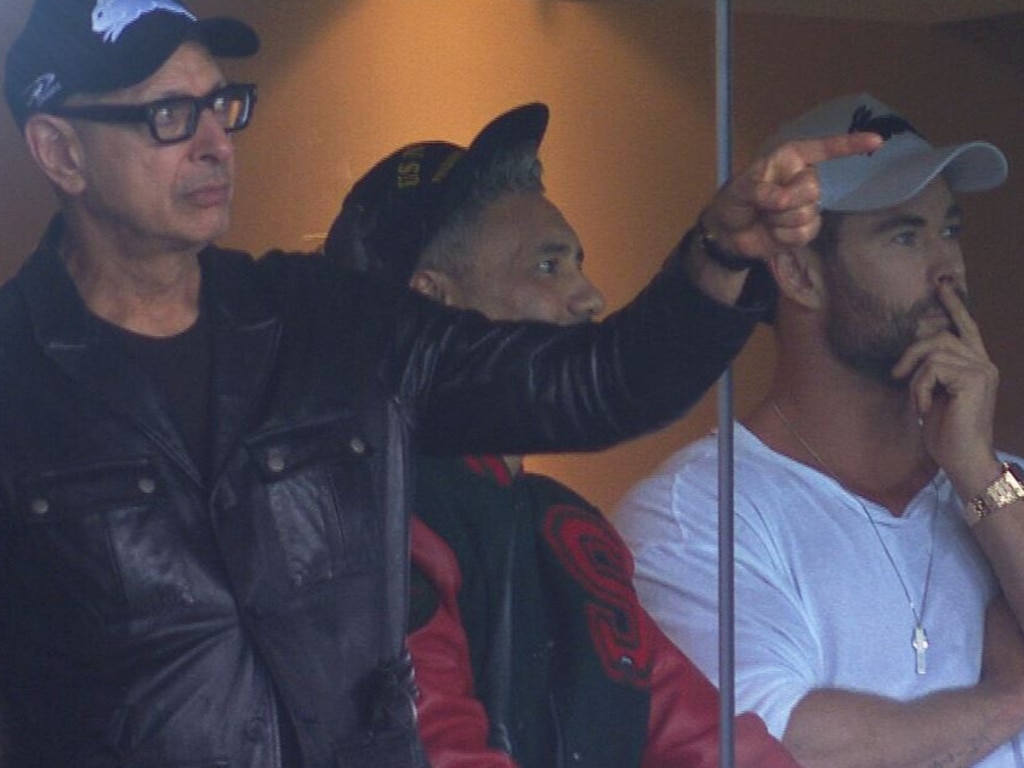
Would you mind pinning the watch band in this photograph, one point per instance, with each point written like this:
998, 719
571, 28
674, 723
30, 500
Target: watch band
1001, 492
732, 261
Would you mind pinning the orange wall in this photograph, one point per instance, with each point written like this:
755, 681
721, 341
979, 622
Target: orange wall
630, 150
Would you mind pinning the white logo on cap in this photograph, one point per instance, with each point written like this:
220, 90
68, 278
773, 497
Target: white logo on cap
41, 90
112, 17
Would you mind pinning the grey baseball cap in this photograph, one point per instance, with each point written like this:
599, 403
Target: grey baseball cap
900, 168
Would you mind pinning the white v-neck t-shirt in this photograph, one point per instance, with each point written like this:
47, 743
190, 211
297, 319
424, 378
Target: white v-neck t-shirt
818, 602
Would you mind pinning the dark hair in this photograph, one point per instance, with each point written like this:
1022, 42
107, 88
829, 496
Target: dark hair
826, 241
516, 169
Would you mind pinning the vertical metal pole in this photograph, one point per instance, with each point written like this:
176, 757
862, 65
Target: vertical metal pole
726, 608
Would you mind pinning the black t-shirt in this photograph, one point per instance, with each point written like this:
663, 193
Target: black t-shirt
180, 367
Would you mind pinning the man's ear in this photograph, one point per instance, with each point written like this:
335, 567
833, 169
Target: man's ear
55, 146
798, 275
434, 285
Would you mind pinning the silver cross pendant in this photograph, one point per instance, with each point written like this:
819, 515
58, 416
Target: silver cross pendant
920, 643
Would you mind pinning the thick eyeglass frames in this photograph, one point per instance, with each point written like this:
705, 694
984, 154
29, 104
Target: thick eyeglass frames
176, 118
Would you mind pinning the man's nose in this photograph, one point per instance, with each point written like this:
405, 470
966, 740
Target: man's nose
587, 302
210, 139
947, 262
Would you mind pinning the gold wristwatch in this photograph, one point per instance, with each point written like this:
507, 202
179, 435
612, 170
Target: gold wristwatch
1003, 491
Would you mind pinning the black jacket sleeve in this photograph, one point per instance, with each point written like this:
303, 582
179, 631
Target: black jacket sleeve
531, 387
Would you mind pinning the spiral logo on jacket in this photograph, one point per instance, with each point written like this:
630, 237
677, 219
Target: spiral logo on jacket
597, 559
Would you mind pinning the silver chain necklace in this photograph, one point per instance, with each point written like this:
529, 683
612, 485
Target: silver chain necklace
919, 640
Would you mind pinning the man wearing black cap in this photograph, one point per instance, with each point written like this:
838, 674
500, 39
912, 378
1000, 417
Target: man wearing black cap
529, 643
203, 464
868, 492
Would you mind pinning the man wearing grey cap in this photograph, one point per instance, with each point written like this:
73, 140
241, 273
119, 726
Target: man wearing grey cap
204, 463
875, 521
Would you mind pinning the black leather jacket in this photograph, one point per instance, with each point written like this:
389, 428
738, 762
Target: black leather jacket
149, 617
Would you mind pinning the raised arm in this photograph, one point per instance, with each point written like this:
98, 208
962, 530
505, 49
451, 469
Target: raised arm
592, 386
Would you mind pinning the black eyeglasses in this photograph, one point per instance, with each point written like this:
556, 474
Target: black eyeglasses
175, 119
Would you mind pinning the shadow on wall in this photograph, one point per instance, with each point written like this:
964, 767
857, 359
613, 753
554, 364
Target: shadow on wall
25, 200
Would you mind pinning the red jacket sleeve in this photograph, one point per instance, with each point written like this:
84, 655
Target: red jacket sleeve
452, 722
683, 726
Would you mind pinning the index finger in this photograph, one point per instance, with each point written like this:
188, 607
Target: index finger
787, 161
960, 315
823, 148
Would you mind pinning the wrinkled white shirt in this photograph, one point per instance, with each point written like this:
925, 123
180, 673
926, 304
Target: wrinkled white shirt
818, 603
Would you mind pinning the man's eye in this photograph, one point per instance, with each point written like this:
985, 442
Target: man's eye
905, 238
953, 231
167, 114
547, 266
163, 114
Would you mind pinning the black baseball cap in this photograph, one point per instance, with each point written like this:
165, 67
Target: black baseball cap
395, 210
96, 46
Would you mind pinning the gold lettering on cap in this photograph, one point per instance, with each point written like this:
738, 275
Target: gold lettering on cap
408, 174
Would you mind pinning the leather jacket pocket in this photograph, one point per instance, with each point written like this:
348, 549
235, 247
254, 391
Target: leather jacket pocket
101, 534
317, 499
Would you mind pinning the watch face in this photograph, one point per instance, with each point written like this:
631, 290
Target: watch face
1007, 489
1004, 490
1017, 471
